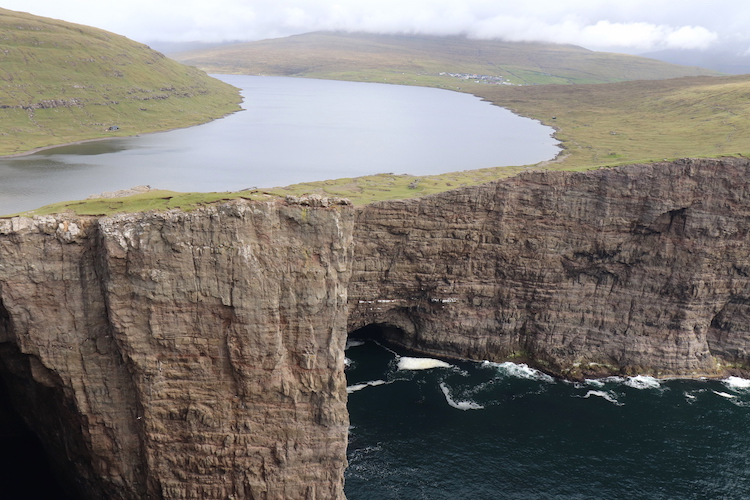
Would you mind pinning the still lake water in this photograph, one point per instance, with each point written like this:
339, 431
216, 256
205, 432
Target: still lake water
465, 430
292, 130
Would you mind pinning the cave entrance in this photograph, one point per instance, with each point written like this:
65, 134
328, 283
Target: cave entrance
372, 352
25, 470
382, 333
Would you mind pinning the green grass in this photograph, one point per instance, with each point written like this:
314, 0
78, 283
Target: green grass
61, 82
599, 125
605, 124
402, 59
156, 200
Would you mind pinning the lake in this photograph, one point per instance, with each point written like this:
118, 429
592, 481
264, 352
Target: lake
291, 130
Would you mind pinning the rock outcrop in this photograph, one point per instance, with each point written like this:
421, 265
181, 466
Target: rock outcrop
201, 355
183, 355
638, 269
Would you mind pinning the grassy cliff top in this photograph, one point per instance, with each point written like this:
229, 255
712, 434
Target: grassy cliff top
652, 115
422, 59
599, 125
63, 82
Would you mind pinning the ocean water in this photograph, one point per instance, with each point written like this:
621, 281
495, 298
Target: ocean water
435, 429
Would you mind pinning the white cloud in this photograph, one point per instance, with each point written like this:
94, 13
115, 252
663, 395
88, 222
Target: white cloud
635, 25
638, 36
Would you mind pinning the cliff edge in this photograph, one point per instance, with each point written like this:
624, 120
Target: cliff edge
186, 355
643, 269
183, 355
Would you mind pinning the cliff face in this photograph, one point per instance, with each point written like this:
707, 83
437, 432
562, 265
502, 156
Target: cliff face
201, 355
640, 269
183, 355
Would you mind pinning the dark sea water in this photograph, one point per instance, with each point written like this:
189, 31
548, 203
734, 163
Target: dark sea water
469, 430
292, 130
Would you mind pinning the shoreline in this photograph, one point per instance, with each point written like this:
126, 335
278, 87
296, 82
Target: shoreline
96, 139
74, 143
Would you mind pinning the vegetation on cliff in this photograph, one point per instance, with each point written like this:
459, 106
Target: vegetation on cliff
656, 116
63, 82
600, 125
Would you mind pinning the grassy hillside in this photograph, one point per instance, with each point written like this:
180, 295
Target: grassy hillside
62, 82
600, 125
421, 59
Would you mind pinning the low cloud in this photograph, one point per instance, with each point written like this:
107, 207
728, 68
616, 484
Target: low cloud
636, 25
632, 36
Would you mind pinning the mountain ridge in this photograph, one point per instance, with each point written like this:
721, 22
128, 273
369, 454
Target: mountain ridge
62, 82
338, 54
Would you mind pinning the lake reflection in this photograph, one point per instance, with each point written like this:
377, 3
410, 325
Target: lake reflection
292, 130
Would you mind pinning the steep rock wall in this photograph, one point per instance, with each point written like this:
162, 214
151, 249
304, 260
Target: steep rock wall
200, 355
637, 269
183, 355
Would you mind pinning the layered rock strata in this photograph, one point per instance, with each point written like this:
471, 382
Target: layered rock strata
200, 355
638, 269
183, 355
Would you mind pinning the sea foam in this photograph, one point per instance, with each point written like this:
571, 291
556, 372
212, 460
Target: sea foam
642, 382
519, 370
358, 387
605, 395
407, 363
737, 383
724, 394
460, 405
353, 343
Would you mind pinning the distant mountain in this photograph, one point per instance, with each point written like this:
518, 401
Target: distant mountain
429, 60
730, 60
63, 82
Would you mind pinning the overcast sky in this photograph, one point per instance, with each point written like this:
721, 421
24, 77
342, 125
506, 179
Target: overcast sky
632, 26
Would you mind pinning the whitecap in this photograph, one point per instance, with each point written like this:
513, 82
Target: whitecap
603, 394
737, 383
460, 405
358, 387
642, 382
353, 343
595, 382
347, 362
407, 363
519, 370
724, 394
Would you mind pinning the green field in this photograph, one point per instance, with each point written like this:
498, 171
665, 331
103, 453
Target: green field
600, 125
62, 82
420, 60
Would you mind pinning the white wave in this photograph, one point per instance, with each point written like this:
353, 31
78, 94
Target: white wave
519, 370
643, 382
358, 387
737, 383
407, 363
353, 343
595, 382
460, 405
603, 394
724, 394
690, 397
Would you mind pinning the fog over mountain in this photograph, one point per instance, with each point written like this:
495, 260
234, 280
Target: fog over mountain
636, 26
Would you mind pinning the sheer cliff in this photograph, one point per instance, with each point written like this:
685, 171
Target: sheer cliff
183, 355
201, 354
638, 269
